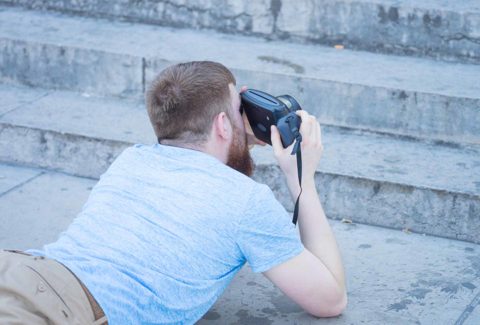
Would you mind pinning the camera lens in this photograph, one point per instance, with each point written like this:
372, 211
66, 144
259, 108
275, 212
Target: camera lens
285, 100
290, 102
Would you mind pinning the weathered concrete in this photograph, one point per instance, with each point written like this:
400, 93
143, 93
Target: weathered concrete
398, 95
77, 155
13, 98
89, 132
85, 115
52, 66
367, 177
38, 209
393, 183
393, 277
12, 177
445, 29
425, 210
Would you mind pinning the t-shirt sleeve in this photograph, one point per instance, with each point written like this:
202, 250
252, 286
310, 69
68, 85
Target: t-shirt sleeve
266, 235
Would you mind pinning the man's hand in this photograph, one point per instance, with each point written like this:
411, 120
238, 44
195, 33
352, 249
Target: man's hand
312, 150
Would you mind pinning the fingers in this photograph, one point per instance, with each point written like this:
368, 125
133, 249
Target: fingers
310, 129
307, 128
303, 114
318, 137
276, 141
243, 89
319, 134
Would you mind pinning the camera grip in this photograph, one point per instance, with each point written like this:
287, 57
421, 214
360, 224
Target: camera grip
289, 128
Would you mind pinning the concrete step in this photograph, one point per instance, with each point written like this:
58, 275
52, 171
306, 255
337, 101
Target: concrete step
367, 177
440, 29
393, 277
399, 95
37, 205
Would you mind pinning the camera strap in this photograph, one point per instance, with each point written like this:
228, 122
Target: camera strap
298, 152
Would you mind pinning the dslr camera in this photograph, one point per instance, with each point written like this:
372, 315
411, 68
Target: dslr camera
264, 110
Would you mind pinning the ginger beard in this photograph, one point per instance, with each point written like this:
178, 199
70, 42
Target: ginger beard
238, 154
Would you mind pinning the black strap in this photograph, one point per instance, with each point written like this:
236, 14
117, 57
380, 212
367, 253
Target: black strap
298, 151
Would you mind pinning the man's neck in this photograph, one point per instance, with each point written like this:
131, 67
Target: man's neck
206, 147
182, 144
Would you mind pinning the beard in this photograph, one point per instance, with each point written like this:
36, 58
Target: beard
238, 154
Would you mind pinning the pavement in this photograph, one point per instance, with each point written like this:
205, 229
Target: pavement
393, 276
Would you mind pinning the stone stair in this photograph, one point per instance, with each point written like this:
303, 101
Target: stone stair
439, 29
398, 98
365, 176
402, 134
399, 95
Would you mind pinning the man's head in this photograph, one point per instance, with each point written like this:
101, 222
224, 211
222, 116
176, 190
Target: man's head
194, 104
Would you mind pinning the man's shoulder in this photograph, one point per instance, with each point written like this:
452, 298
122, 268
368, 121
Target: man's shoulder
169, 158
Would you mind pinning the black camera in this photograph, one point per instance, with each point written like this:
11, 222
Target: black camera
264, 110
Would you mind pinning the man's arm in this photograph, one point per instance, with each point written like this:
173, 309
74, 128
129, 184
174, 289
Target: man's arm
315, 278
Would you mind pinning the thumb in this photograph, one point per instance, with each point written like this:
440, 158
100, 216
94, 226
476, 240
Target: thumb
276, 141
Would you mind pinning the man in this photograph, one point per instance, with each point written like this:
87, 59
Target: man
168, 226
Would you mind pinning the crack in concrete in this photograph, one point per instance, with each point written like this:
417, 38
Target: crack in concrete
91, 12
460, 37
21, 184
28, 102
296, 67
275, 7
144, 69
468, 310
196, 9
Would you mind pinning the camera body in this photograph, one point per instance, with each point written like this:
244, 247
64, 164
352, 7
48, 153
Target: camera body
264, 110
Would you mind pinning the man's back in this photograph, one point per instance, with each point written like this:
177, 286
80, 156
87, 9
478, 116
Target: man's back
166, 229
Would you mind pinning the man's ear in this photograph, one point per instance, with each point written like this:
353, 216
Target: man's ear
222, 126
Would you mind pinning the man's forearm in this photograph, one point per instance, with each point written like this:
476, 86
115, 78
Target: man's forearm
315, 231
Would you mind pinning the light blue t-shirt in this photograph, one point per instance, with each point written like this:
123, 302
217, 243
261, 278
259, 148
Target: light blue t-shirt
165, 230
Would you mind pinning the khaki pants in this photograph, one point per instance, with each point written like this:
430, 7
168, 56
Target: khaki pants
37, 290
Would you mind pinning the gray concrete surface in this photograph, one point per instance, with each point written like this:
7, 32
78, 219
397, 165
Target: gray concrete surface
393, 277
392, 94
12, 177
440, 29
36, 205
367, 177
12, 99
442, 213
